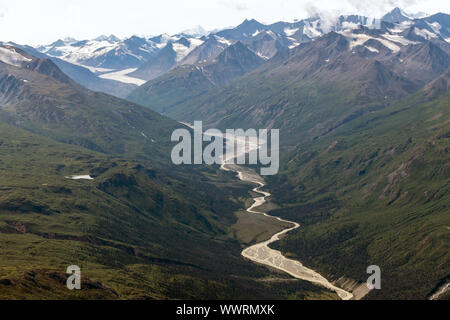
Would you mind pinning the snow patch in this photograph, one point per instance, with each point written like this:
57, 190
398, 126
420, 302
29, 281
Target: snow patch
223, 40
262, 56
122, 76
182, 51
398, 38
424, 33
11, 57
372, 49
290, 32
435, 26
82, 177
312, 30
361, 39
256, 33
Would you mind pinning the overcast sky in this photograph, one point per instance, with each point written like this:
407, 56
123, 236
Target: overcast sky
44, 21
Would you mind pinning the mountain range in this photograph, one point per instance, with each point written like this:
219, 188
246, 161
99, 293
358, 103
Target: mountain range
135, 60
363, 122
362, 108
159, 230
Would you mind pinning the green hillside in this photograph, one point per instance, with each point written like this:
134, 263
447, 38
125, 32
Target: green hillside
141, 229
375, 191
136, 232
364, 154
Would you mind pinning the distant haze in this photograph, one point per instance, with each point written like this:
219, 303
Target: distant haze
44, 21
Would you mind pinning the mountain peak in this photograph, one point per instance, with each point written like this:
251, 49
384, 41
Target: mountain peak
397, 15
58, 43
251, 24
183, 41
236, 47
241, 54
70, 40
197, 31
110, 38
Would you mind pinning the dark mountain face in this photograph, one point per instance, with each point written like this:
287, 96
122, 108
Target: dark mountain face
420, 62
185, 42
266, 44
308, 57
359, 79
243, 31
187, 81
363, 147
438, 87
157, 66
395, 16
181, 84
237, 57
209, 49
233, 62
147, 214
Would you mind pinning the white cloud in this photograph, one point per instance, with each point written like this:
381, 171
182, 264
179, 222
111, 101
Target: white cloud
3, 11
240, 7
235, 4
328, 18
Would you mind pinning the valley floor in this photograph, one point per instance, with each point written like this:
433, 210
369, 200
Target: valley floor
261, 253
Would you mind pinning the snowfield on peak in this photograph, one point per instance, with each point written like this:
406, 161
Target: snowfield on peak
290, 32
391, 41
12, 57
132, 59
75, 53
223, 40
424, 33
182, 51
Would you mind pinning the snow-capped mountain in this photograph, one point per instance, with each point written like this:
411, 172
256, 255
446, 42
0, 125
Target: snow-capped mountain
82, 75
103, 52
197, 31
138, 59
167, 58
397, 16
13, 56
211, 47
